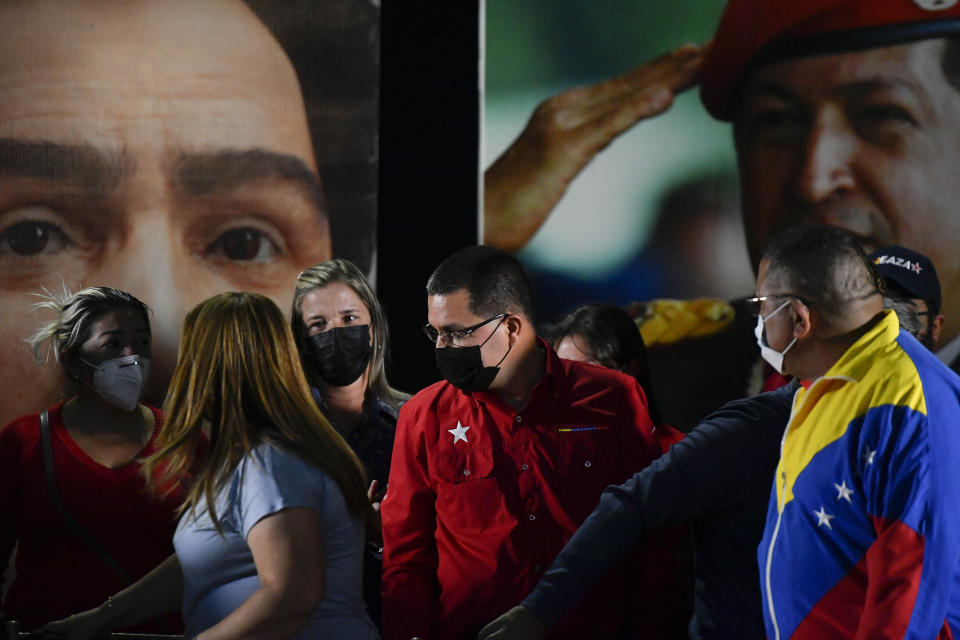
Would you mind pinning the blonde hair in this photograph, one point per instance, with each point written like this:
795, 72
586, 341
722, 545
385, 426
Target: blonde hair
75, 313
238, 370
339, 270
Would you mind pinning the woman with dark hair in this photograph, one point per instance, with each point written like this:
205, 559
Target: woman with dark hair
270, 539
606, 335
72, 496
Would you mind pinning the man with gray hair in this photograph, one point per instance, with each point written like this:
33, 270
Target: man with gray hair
702, 479
863, 528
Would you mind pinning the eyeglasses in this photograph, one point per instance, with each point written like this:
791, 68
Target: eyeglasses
753, 304
450, 336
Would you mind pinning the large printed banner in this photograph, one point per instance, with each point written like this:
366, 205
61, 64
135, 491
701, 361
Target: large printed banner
176, 149
606, 173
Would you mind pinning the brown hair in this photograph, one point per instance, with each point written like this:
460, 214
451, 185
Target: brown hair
238, 370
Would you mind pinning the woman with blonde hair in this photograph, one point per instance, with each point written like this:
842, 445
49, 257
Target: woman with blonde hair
343, 339
72, 496
270, 539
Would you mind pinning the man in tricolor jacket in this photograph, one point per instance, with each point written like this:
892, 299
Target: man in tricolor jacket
862, 537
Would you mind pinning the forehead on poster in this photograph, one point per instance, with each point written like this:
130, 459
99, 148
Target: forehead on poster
159, 147
751, 34
844, 113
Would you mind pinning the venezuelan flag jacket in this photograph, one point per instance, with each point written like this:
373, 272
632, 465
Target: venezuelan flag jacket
862, 537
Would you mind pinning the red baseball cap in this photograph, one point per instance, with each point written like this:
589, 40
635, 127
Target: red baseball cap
755, 32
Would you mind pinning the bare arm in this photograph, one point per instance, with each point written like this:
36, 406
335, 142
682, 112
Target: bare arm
565, 132
287, 549
158, 592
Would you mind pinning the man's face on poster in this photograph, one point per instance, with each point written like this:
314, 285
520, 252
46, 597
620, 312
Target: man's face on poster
868, 141
157, 147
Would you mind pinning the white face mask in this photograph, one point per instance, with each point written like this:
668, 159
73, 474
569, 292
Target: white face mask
120, 381
773, 357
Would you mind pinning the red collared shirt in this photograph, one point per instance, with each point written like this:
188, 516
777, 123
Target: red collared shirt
482, 497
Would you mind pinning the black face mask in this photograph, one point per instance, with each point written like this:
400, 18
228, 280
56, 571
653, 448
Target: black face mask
341, 355
463, 366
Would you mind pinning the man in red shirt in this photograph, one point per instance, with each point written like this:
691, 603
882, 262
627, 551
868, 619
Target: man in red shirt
495, 467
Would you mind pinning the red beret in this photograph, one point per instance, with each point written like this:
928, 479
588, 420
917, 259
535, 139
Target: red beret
754, 32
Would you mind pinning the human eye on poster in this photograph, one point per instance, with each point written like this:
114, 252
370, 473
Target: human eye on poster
643, 154
176, 150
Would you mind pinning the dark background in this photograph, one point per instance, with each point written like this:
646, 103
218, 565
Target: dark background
429, 164
334, 46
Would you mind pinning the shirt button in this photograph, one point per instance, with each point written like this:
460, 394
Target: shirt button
466, 472
519, 419
524, 467
532, 517
537, 567
587, 464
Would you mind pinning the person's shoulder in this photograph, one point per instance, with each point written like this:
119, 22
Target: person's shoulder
433, 398
754, 417
777, 402
581, 379
26, 428
268, 458
270, 452
20, 426
927, 365
926, 385
906, 373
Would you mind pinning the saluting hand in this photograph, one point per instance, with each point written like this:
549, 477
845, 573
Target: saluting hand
565, 132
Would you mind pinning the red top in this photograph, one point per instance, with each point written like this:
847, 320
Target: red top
57, 574
481, 498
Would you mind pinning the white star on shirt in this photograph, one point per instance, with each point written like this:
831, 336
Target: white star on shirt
868, 455
843, 491
823, 518
460, 433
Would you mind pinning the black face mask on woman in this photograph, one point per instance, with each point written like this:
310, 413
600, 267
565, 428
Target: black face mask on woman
463, 366
341, 355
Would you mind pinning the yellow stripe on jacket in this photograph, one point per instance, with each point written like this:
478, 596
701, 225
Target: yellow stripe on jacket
852, 386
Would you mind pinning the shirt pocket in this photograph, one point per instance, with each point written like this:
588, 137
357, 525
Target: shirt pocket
468, 495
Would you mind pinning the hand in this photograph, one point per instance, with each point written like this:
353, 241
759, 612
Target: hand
516, 624
375, 495
565, 132
374, 525
86, 625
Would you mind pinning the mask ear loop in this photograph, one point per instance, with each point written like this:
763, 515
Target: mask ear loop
509, 347
794, 341
763, 320
494, 331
